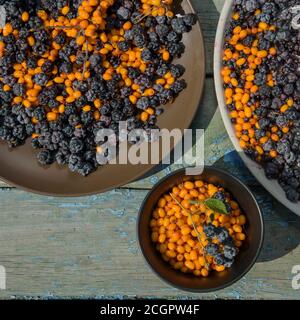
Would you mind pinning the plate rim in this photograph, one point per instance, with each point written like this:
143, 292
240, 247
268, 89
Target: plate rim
254, 168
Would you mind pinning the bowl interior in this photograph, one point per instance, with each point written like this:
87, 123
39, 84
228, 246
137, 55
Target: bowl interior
248, 252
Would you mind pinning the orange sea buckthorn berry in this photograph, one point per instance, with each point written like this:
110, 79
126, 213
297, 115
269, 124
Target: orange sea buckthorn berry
7, 29
240, 61
51, 116
25, 16
65, 10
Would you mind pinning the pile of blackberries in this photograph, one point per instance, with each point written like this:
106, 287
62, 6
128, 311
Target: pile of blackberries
61, 91
225, 251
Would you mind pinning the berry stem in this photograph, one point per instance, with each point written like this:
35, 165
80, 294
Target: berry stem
194, 226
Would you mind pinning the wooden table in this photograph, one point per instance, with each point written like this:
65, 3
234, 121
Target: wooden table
86, 247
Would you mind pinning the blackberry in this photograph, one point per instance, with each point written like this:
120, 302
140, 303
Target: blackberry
20, 56
162, 31
133, 73
66, 67
228, 207
23, 33
154, 46
176, 49
79, 59
29, 129
209, 230
147, 55
19, 89
220, 195
47, 66
139, 40
81, 102
165, 96
31, 63
10, 80
91, 95
271, 170
190, 19
162, 19
143, 103
40, 48
40, 79
124, 45
87, 118
95, 60
75, 162
222, 234
228, 262
35, 143
35, 23
86, 169
177, 70
52, 103
219, 259
128, 35
76, 145
61, 158
79, 133
45, 157
41, 36
18, 132
229, 252
6, 96
292, 194
212, 249
123, 13
60, 38
39, 113
178, 25
73, 121
56, 137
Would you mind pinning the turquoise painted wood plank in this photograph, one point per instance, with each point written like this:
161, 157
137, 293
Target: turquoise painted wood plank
87, 247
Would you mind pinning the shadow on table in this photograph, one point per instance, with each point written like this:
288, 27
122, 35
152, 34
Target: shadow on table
282, 227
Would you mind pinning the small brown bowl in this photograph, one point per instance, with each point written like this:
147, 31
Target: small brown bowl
248, 252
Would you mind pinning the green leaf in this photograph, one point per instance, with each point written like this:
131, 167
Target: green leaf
216, 205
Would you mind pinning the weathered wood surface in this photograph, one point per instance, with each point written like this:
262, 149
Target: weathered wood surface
86, 247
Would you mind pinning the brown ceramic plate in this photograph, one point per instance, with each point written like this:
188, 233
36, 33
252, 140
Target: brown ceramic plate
248, 252
20, 168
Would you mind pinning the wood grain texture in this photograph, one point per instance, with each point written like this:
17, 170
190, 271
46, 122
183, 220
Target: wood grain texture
86, 247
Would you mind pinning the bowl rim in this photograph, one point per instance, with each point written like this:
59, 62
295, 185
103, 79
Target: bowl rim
199, 290
272, 186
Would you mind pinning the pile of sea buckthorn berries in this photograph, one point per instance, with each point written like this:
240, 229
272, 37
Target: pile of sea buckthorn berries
190, 236
71, 68
262, 87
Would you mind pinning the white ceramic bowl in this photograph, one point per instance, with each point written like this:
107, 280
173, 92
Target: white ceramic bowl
271, 185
